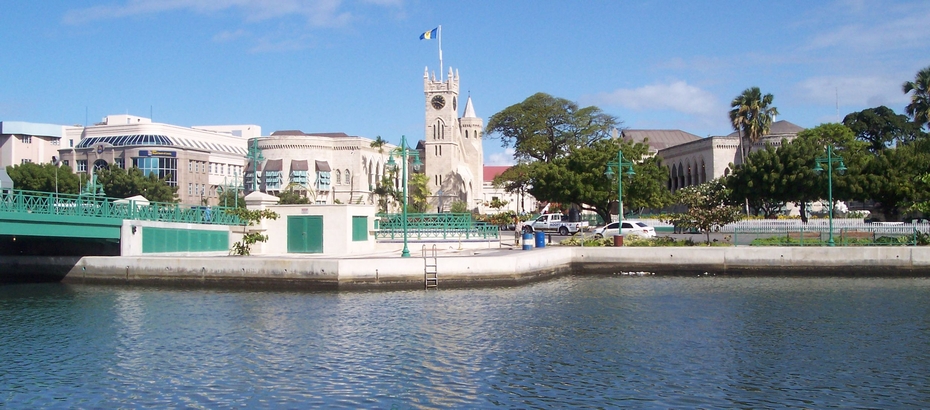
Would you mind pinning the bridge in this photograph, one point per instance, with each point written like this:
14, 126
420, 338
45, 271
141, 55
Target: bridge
45, 218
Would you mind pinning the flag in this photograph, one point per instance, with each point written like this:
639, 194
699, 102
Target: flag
429, 35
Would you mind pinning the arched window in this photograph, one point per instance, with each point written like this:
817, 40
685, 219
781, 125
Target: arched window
338, 177
348, 178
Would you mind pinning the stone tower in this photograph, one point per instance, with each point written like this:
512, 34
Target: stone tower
453, 154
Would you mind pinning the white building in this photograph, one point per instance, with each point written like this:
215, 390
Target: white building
197, 160
23, 142
327, 168
516, 202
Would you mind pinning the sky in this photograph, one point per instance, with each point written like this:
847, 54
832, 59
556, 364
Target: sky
357, 66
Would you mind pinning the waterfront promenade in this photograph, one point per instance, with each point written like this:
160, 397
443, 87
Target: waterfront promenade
470, 267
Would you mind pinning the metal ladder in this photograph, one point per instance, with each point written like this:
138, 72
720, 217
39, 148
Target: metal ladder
430, 267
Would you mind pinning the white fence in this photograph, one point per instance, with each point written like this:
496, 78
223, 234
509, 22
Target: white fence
813, 225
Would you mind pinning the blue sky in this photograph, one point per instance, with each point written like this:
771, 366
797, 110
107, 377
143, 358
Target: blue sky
357, 66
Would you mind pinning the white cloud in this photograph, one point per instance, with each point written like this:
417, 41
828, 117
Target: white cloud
862, 91
904, 28
320, 13
677, 96
501, 158
227, 35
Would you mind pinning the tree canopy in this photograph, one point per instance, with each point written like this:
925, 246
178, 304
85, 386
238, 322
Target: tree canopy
919, 107
42, 177
544, 128
881, 128
121, 183
751, 116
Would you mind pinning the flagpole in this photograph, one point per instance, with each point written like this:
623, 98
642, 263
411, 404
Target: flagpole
440, 53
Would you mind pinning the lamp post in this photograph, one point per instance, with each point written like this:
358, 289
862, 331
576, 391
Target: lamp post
829, 160
621, 165
403, 151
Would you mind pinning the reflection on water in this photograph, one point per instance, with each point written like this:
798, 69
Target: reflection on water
576, 341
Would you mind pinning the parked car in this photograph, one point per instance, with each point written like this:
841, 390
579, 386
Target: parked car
630, 228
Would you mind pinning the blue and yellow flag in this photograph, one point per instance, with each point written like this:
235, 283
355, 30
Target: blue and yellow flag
429, 35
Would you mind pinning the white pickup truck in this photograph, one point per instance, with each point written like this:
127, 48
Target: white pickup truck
554, 223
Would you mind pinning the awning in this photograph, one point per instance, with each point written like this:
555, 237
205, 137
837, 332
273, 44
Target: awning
323, 166
273, 165
248, 167
299, 165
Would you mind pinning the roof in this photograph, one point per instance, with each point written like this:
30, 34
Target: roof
273, 165
323, 166
469, 109
491, 171
299, 165
660, 139
778, 128
314, 134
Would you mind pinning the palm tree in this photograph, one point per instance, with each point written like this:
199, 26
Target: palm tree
751, 116
379, 144
919, 108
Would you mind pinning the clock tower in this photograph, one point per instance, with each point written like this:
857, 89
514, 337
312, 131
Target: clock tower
453, 156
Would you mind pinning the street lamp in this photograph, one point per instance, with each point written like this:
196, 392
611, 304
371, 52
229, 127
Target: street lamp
403, 151
829, 160
621, 165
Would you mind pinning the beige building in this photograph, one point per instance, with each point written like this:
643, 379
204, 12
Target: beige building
23, 142
452, 145
692, 160
327, 168
198, 160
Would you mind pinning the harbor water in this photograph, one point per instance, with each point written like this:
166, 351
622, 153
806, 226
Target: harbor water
577, 341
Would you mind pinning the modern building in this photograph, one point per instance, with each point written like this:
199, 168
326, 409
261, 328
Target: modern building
198, 160
327, 168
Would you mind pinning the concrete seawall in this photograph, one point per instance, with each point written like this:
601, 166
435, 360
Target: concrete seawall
471, 268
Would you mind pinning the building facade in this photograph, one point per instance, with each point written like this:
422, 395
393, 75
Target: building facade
327, 168
452, 145
199, 160
24, 142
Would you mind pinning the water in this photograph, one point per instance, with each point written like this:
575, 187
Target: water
644, 342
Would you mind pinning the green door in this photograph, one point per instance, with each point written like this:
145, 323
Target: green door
304, 234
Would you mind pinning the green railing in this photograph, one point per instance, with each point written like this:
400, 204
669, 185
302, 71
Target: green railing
864, 235
433, 226
50, 203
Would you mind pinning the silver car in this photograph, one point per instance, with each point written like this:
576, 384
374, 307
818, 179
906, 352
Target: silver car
630, 228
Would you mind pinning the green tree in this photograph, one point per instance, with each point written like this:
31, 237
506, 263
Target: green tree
289, 196
387, 194
881, 128
379, 143
418, 192
120, 183
42, 177
232, 198
544, 128
515, 180
250, 217
579, 178
751, 116
760, 181
919, 108
892, 179
458, 207
708, 207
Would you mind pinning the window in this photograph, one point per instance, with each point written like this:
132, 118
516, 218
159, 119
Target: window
190, 166
56, 142
120, 163
299, 177
25, 139
348, 178
163, 168
71, 143
25, 161
323, 180
338, 177
190, 189
81, 165
66, 162
272, 179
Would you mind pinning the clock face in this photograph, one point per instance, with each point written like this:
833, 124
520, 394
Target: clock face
438, 102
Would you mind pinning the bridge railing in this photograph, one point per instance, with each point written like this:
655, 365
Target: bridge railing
434, 226
50, 203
